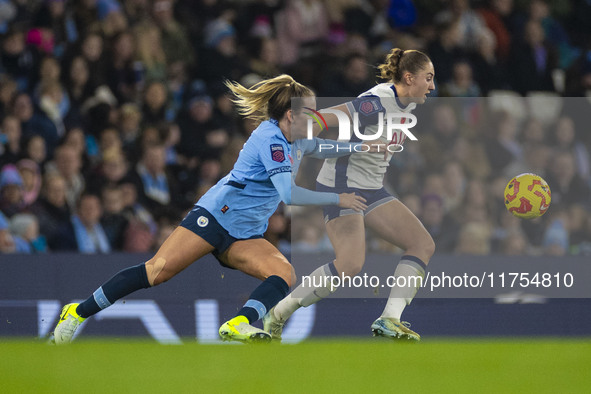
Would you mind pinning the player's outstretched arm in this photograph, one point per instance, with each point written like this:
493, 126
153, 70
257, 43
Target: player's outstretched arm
291, 194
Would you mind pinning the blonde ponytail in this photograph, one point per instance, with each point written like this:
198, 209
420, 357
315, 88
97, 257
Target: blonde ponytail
270, 98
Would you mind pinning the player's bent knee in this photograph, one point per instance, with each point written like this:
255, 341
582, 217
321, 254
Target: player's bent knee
429, 247
349, 268
287, 273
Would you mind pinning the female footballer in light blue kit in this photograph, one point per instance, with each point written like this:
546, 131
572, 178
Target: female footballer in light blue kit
409, 75
229, 220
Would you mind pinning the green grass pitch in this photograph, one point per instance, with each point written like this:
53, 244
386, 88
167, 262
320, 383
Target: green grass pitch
330, 366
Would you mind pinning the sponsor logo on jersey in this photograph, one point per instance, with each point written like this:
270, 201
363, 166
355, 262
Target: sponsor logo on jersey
277, 153
225, 209
370, 107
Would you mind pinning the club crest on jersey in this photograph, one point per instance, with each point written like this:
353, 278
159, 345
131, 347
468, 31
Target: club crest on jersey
202, 221
277, 153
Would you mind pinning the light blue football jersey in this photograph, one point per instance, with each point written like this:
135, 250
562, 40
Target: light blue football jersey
243, 200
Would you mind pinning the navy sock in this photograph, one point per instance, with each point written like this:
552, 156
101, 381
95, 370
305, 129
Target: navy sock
123, 283
264, 297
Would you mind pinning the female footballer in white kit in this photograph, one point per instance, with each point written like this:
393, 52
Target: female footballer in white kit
410, 78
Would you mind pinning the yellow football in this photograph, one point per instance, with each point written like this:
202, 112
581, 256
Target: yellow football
527, 196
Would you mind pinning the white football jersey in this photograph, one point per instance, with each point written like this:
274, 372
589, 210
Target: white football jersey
366, 170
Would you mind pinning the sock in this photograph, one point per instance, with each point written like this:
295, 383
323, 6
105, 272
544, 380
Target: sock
263, 298
409, 267
309, 292
123, 283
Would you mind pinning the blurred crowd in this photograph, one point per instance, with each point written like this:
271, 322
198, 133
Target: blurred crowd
114, 118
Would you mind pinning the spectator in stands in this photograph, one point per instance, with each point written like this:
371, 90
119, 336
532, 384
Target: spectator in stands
533, 133
515, 244
110, 140
278, 227
155, 99
35, 149
11, 131
121, 76
172, 137
18, 59
474, 239
462, 83
221, 54
175, 41
8, 90
470, 24
49, 71
78, 84
556, 242
502, 146
149, 52
86, 230
52, 210
454, 185
201, 135
475, 205
26, 227
353, 78
11, 190
177, 84
48, 120
566, 185
490, 71
445, 49
111, 171
142, 228
92, 50
578, 76
532, 61
565, 138
31, 176
264, 60
443, 228
437, 146
111, 17
494, 16
22, 109
85, 16
67, 163
302, 26
113, 220
158, 189
10, 243
578, 216
53, 16
536, 157
76, 139
165, 228
539, 11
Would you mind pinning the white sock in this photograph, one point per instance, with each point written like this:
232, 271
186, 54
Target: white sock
312, 289
411, 268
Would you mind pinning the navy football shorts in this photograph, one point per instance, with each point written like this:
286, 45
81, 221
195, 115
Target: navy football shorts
374, 197
205, 225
